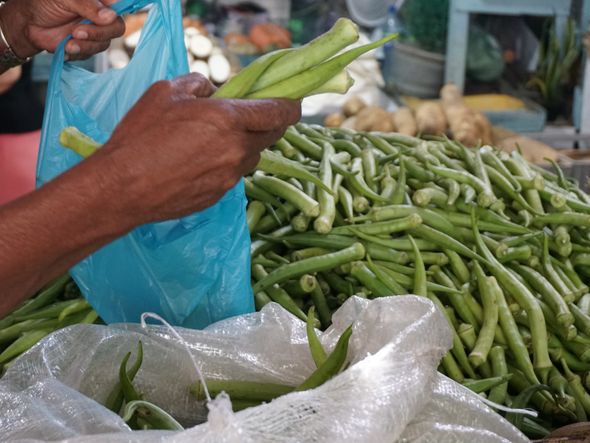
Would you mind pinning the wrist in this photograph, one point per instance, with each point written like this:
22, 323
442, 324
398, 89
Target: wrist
14, 25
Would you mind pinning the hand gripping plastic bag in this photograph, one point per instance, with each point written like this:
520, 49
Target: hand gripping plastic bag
192, 271
391, 391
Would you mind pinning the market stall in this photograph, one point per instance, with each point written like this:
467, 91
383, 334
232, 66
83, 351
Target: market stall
408, 262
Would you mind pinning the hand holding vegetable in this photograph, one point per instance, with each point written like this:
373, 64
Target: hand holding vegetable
204, 146
177, 151
36, 25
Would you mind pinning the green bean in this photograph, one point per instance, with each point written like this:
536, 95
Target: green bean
407, 281
456, 300
15, 330
577, 389
457, 266
563, 218
302, 143
568, 283
453, 190
417, 171
485, 195
276, 293
384, 277
388, 185
584, 304
285, 190
445, 241
467, 335
300, 222
446, 160
496, 164
286, 148
255, 192
315, 346
323, 224
431, 258
548, 294
363, 274
519, 254
488, 291
261, 299
513, 338
457, 350
452, 368
402, 244
337, 283
46, 296
269, 222
318, 298
534, 181
256, 210
429, 217
520, 168
400, 190
347, 146
242, 390
499, 369
505, 186
423, 197
464, 220
346, 202
276, 164
398, 139
524, 298
486, 384
369, 167
331, 366
378, 228
382, 144
582, 321
22, 344
115, 399
51, 311
313, 251
310, 81
552, 275
357, 182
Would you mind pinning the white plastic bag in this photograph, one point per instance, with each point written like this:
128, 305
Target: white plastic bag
390, 392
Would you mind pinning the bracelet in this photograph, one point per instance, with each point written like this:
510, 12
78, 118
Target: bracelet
8, 59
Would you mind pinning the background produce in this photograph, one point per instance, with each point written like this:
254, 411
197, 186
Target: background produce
450, 115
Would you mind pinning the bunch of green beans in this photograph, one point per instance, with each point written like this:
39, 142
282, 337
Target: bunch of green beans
56, 306
500, 245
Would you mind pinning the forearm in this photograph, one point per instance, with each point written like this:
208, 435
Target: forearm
48, 231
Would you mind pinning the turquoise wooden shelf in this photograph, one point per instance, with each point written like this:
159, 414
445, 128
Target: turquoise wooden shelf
459, 11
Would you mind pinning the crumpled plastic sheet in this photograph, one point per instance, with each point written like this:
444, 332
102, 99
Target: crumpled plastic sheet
391, 390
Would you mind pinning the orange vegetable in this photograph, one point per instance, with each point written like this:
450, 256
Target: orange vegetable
268, 36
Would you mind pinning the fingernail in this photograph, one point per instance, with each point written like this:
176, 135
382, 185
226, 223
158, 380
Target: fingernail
81, 35
107, 14
73, 48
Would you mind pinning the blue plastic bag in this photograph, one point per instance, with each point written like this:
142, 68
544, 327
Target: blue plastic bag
192, 271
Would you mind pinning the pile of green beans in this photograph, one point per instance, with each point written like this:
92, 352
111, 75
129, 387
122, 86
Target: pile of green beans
500, 245
56, 306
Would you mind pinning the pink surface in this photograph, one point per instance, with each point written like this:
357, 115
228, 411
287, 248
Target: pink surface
18, 161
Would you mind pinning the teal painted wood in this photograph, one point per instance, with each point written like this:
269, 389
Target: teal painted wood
459, 11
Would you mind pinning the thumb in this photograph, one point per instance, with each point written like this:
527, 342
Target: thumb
93, 10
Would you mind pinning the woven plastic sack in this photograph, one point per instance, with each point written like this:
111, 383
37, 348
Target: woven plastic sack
192, 271
390, 392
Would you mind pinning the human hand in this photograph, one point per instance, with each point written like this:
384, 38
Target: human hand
178, 151
9, 78
36, 25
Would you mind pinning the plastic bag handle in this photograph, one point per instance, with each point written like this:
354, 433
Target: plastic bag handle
122, 7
